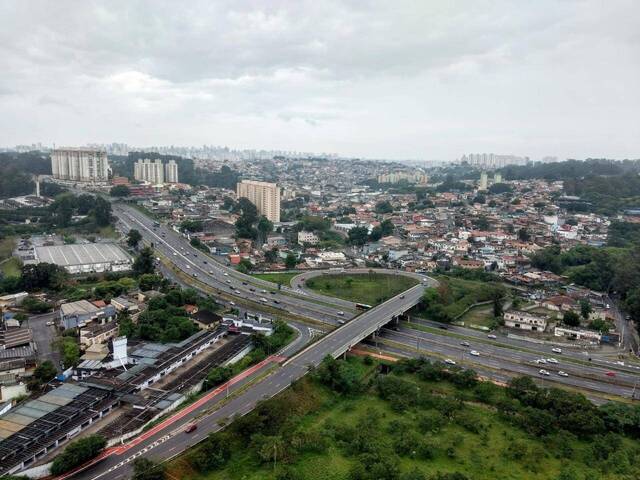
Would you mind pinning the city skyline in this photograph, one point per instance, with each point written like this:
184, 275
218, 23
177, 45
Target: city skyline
414, 80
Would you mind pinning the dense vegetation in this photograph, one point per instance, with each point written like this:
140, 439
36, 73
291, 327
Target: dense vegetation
67, 214
165, 319
77, 453
614, 270
263, 346
16, 170
454, 295
421, 420
570, 169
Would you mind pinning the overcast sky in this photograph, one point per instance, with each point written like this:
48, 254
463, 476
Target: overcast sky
389, 79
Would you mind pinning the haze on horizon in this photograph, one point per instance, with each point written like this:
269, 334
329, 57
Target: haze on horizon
404, 79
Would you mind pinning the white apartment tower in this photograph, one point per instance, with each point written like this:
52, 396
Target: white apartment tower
265, 196
151, 171
80, 165
484, 180
171, 172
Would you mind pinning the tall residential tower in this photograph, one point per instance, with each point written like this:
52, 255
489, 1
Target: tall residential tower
265, 196
80, 165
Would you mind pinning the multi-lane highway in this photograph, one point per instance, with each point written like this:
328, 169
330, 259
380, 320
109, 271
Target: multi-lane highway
172, 440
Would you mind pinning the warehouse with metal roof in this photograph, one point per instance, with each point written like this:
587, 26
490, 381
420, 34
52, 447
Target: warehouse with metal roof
85, 258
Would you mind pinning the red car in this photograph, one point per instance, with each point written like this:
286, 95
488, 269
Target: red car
610, 374
190, 428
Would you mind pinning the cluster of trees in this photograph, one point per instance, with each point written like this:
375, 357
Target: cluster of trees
263, 346
570, 169
607, 195
44, 373
359, 236
165, 319
36, 277
16, 170
77, 453
453, 296
66, 205
250, 224
120, 191
602, 269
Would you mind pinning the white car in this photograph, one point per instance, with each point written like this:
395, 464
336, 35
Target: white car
563, 374
210, 272
556, 350
552, 360
175, 254
263, 291
264, 300
621, 363
448, 361
544, 372
340, 312
237, 291
226, 274
541, 360
228, 281
491, 336
475, 353
188, 266
232, 303
49, 324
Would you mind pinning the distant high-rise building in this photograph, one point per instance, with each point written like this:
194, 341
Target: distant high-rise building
484, 180
151, 171
265, 196
171, 172
497, 178
397, 177
491, 160
80, 165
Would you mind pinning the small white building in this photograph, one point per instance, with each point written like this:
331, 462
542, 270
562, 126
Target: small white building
525, 320
577, 334
308, 237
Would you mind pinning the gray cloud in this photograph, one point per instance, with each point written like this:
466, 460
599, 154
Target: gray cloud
419, 79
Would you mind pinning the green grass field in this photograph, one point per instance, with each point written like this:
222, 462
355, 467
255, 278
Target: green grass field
6, 247
478, 317
369, 288
477, 442
11, 267
283, 278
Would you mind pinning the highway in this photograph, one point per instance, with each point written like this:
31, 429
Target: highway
171, 440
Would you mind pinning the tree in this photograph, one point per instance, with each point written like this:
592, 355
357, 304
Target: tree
497, 296
145, 469
245, 265
387, 227
265, 227
571, 319
69, 349
384, 207
585, 308
102, 211
376, 234
45, 372
523, 235
133, 238
77, 453
290, 261
358, 236
120, 191
271, 256
144, 262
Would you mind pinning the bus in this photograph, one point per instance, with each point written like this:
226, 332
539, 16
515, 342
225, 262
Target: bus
362, 306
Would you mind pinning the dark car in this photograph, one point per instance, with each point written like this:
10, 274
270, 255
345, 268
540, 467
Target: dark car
190, 428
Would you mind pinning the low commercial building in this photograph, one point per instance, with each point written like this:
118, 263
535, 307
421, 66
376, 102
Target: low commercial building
80, 313
525, 320
85, 258
578, 334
